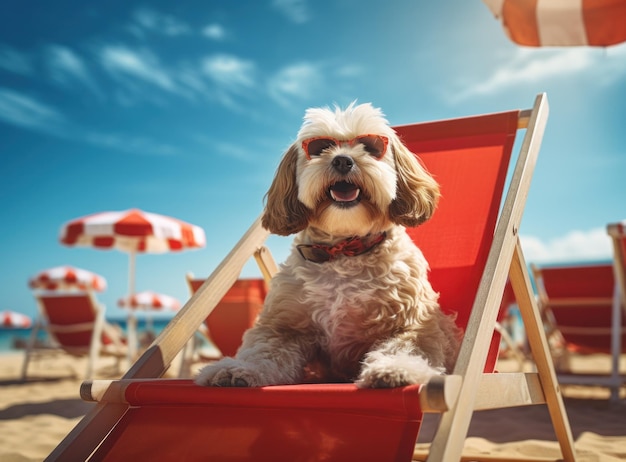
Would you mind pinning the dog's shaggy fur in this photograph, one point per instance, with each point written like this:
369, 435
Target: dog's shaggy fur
371, 318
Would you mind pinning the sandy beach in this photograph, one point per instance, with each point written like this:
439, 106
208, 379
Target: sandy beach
37, 414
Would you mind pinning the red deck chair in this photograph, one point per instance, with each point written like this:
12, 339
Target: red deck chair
234, 314
75, 322
470, 256
584, 307
583, 314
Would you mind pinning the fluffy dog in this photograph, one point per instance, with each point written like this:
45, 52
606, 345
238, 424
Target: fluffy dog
352, 302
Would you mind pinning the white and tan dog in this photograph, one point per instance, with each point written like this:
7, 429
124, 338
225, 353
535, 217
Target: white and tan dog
352, 302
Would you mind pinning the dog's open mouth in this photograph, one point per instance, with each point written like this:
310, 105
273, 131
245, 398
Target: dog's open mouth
344, 193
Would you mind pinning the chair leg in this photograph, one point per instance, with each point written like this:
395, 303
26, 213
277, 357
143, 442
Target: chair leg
616, 343
29, 349
94, 347
540, 350
449, 439
186, 358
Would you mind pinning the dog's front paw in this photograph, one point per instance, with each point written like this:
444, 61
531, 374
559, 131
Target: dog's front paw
228, 372
395, 370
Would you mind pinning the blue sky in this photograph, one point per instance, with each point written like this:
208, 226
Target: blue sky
185, 108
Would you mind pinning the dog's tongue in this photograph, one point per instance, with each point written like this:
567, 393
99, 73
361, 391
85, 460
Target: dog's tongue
344, 192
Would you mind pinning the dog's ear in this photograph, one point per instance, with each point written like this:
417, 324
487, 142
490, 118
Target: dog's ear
417, 192
284, 214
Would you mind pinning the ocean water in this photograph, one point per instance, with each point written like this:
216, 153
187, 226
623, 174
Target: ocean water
13, 340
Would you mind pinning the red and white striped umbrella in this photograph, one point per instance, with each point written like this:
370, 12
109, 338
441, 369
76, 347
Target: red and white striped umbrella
132, 231
563, 22
148, 300
67, 277
13, 319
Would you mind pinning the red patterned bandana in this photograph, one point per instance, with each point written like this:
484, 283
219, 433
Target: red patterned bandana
321, 253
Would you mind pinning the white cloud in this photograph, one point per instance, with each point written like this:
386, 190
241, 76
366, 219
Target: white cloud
593, 244
192, 79
296, 10
298, 81
15, 61
349, 71
66, 67
122, 63
26, 112
220, 77
134, 144
154, 21
214, 31
230, 72
537, 65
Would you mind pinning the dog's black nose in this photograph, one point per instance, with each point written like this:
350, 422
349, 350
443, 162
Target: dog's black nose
343, 164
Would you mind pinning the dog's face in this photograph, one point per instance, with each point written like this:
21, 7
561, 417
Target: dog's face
348, 174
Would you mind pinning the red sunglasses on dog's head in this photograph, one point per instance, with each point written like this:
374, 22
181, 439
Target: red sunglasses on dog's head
375, 145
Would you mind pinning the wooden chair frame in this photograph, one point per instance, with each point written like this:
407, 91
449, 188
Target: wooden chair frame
617, 233
455, 396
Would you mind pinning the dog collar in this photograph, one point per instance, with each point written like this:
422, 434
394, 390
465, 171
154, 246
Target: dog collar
351, 247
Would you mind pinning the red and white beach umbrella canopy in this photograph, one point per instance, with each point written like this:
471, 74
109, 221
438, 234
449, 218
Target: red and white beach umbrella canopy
67, 277
562, 23
148, 300
14, 320
132, 231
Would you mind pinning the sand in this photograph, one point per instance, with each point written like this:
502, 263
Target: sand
37, 414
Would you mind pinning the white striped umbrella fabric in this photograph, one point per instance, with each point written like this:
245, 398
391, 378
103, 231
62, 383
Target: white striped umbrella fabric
14, 320
562, 22
67, 277
148, 301
132, 231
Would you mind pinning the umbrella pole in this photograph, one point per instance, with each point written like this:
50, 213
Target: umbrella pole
149, 326
131, 322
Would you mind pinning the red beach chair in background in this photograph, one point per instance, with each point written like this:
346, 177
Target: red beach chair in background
75, 322
584, 315
234, 314
584, 307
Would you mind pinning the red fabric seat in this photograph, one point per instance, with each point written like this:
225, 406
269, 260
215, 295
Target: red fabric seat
304, 422
581, 299
469, 158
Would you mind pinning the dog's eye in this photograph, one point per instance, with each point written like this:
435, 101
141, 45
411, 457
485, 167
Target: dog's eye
374, 145
316, 147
